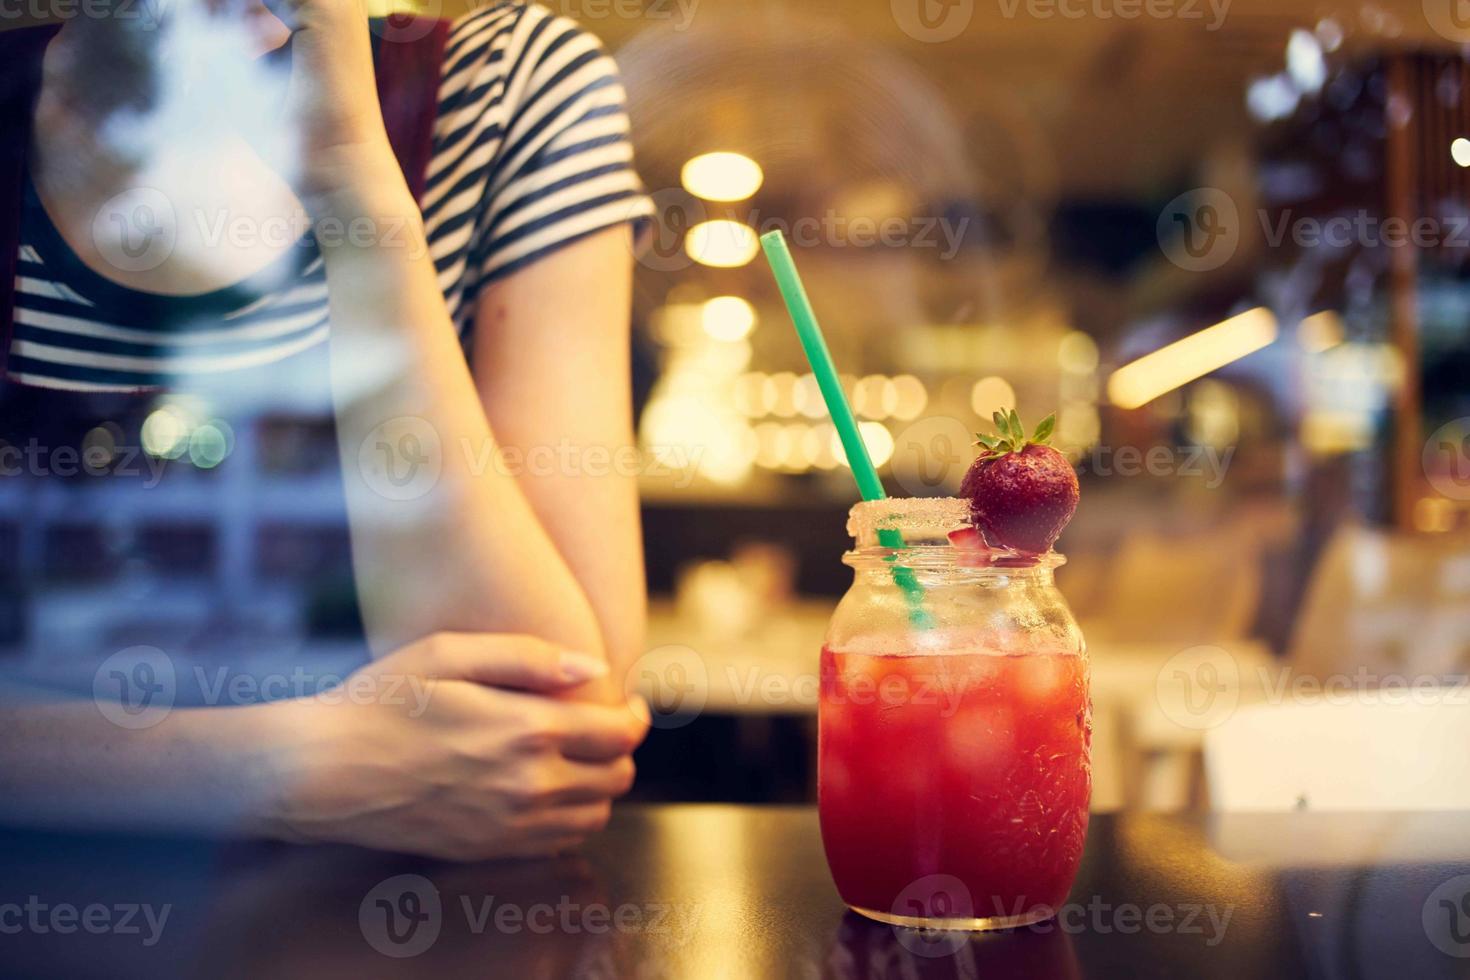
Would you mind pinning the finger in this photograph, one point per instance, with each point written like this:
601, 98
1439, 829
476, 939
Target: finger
577, 820
525, 663
589, 782
598, 732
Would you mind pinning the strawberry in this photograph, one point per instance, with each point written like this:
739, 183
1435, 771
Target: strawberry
975, 553
967, 539
1022, 492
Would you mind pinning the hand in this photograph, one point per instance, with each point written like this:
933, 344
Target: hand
332, 104
484, 756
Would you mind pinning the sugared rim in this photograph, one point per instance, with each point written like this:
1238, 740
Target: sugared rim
927, 515
1000, 560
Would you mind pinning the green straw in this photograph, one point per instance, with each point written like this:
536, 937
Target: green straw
778, 254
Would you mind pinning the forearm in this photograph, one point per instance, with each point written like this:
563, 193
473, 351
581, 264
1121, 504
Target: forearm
462, 550
200, 770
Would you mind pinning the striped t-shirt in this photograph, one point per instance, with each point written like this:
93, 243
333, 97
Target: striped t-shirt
530, 152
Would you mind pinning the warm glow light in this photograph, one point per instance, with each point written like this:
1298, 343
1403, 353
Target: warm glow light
875, 436
1434, 514
165, 435
1460, 151
912, 397
1327, 432
1320, 332
809, 397
781, 397
769, 446
817, 444
991, 395
722, 176
679, 325
727, 318
722, 244
750, 393
685, 432
1078, 425
794, 447
875, 397
1077, 353
1214, 414
1152, 375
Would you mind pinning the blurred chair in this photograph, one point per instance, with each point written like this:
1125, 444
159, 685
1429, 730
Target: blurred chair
1387, 604
1374, 753
1167, 592
1201, 587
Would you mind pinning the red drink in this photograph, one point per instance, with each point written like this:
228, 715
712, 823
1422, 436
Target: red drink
970, 766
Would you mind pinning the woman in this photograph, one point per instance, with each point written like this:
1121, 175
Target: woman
509, 597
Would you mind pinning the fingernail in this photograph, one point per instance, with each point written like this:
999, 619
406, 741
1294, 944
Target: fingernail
639, 707
578, 667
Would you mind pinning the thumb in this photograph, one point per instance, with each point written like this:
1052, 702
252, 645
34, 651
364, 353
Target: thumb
525, 663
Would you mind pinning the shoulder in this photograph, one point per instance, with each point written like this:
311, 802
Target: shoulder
513, 40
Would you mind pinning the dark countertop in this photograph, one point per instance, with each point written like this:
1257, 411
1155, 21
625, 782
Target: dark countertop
726, 891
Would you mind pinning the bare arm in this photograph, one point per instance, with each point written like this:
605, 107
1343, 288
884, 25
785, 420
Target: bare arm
62, 764
463, 549
552, 367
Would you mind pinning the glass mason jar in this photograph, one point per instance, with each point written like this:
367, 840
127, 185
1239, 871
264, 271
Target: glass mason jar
955, 727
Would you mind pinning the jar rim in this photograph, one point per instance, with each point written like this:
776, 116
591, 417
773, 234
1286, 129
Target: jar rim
925, 524
1002, 561
916, 517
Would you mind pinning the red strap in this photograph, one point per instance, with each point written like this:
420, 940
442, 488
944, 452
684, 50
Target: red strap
410, 57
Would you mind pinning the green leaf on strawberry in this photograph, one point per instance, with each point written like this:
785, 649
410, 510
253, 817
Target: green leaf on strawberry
1010, 434
1044, 428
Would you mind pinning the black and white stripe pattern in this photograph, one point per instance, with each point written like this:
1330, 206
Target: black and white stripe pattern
531, 152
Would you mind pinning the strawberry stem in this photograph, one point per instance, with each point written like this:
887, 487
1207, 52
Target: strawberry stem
1011, 434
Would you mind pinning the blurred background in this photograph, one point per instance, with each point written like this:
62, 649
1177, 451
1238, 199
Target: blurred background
1224, 241
1260, 204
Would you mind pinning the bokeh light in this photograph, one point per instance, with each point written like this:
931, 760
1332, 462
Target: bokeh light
721, 244
991, 395
722, 176
727, 318
165, 434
